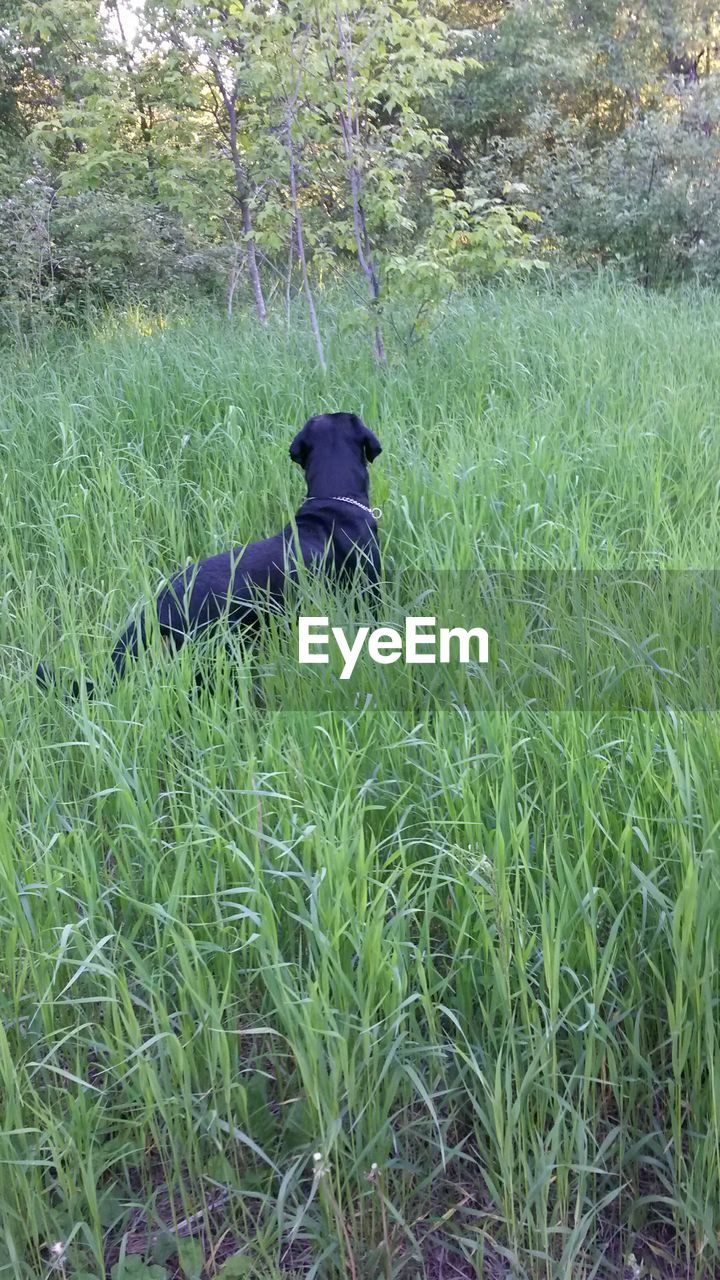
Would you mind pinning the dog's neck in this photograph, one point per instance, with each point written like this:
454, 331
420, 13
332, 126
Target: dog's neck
341, 473
355, 495
343, 499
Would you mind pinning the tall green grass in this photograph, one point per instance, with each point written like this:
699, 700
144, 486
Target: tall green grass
396, 986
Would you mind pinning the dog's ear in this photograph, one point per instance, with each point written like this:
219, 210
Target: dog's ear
371, 444
299, 448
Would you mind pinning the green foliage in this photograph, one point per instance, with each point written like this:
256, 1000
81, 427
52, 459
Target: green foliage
606, 115
194, 114
237, 1267
192, 1258
647, 201
609, 116
133, 1268
68, 254
466, 241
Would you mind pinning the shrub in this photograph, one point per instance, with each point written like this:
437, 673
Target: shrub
646, 201
67, 254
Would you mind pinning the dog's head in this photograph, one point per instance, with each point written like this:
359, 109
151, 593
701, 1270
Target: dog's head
327, 430
334, 449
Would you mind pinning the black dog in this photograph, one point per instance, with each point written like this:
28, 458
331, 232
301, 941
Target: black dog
335, 531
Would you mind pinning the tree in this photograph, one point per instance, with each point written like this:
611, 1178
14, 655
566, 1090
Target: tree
211, 48
559, 97
259, 131
372, 68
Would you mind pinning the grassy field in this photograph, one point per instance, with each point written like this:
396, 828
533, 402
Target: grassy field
420, 984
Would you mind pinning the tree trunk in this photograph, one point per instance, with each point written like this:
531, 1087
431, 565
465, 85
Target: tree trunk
242, 193
288, 279
300, 243
233, 281
253, 269
362, 243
